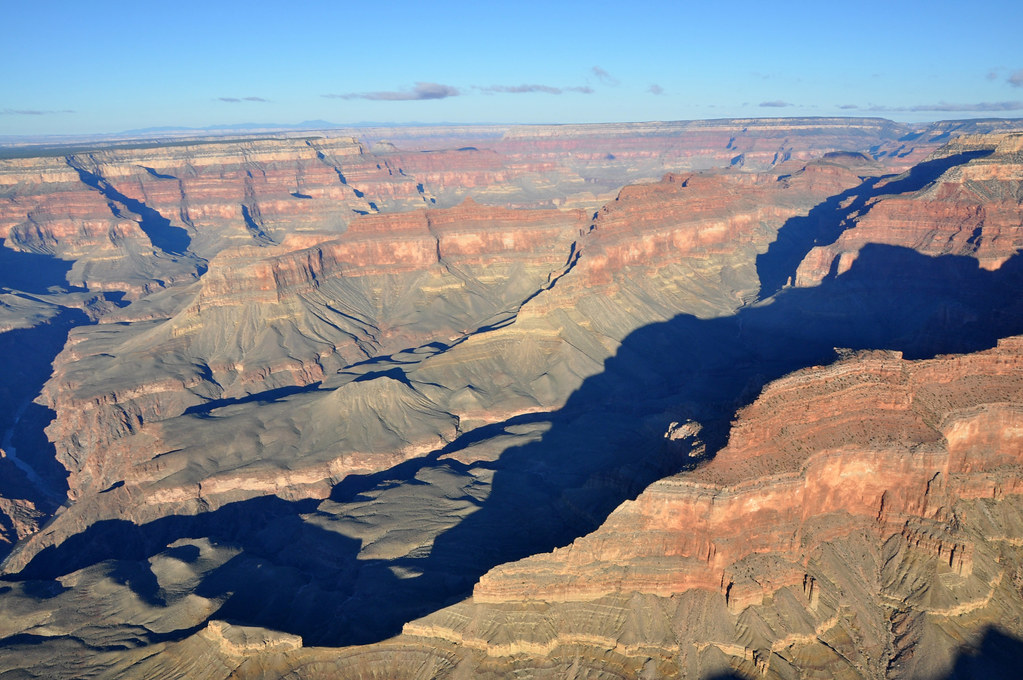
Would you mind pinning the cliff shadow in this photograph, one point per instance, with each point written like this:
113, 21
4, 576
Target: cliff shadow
40, 478
826, 221
33, 273
996, 655
274, 568
38, 452
265, 397
292, 573
162, 234
607, 443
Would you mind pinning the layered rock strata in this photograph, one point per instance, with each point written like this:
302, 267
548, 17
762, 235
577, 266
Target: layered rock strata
139, 217
383, 408
268, 318
863, 520
971, 209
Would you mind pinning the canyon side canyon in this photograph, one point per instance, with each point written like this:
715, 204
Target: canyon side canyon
708, 399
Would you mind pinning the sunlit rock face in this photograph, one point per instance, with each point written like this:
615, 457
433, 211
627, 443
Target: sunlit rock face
843, 490
292, 315
638, 400
268, 316
970, 209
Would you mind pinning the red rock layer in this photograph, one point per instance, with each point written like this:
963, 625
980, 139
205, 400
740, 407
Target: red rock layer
218, 193
879, 463
862, 441
374, 245
702, 216
971, 210
293, 314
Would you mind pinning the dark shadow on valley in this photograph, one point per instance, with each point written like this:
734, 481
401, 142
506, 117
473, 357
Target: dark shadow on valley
606, 444
603, 447
33, 273
287, 574
996, 655
266, 397
162, 234
30, 353
825, 222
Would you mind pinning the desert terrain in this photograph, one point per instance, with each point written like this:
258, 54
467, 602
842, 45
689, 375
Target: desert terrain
736, 398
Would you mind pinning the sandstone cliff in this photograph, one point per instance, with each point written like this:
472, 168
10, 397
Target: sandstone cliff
971, 209
859, 523
458, 435
294, 314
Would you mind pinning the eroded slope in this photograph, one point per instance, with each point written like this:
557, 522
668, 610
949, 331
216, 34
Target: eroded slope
329, 422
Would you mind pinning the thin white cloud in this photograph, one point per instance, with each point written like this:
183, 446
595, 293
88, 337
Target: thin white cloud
419, 92
530, 89
603, 76
1015, 78
775, 104
655, 89
953, 108
31, 112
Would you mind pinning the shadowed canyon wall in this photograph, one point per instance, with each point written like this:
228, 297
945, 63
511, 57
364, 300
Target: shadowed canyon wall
333, 407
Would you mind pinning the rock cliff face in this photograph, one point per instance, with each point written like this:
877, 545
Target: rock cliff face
292, 315
477, 401
970, 209
858, 523
287, 316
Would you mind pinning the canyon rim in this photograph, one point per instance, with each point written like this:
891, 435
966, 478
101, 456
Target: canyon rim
703, 399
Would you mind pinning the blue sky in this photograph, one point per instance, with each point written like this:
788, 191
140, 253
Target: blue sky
81, 68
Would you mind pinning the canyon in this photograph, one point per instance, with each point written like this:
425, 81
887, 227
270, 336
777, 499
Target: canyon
734, 398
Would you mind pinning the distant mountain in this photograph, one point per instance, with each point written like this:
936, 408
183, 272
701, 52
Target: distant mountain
304, 125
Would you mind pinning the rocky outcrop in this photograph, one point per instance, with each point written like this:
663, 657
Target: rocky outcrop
447, 435
19, 516
856, 511
704, 216
295, 314
971, 209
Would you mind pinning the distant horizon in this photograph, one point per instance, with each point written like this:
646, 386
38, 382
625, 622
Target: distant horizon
76, 69
249, 128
